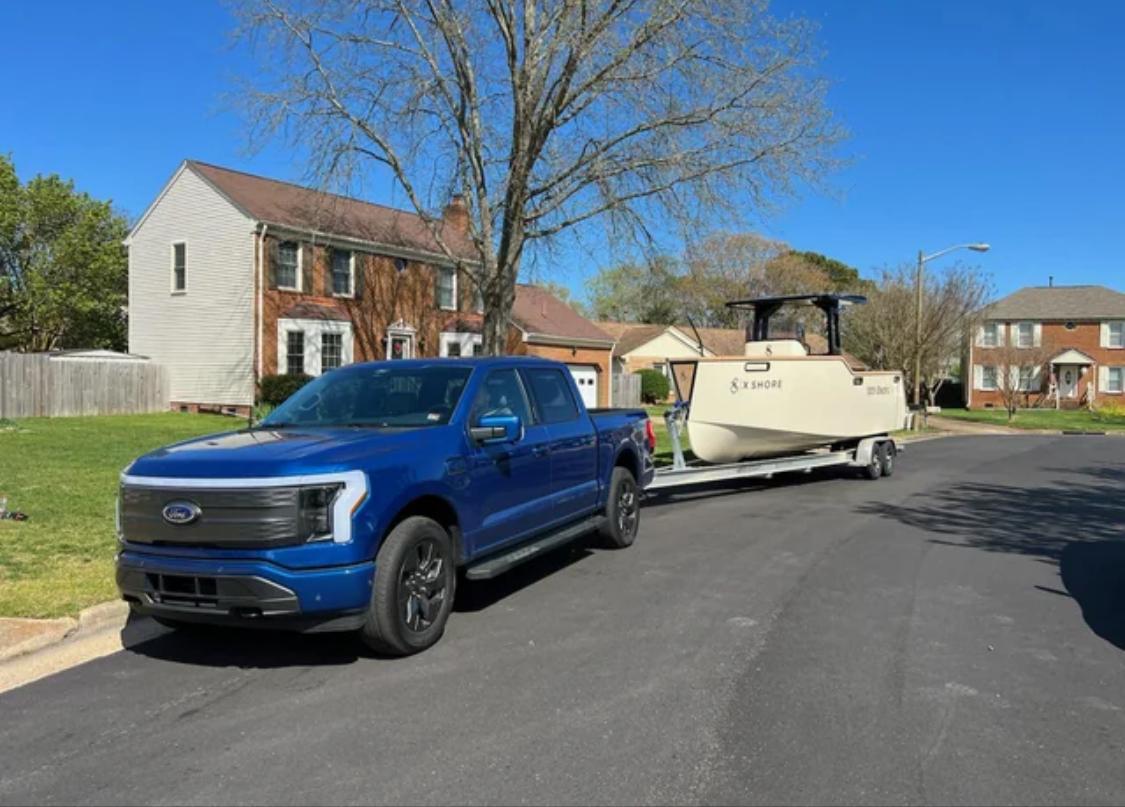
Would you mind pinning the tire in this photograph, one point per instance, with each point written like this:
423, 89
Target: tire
874, 468
415, 581
887, 452
622, 510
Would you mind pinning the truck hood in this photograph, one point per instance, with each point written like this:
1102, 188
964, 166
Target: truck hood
280, 452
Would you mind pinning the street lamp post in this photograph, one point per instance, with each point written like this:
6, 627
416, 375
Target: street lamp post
922, 259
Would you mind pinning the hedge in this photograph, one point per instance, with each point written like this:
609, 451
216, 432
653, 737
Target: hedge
275, 389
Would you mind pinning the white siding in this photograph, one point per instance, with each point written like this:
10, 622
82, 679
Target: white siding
204, 336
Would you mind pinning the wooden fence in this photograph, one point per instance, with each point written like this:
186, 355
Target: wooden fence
626, 389
34, 385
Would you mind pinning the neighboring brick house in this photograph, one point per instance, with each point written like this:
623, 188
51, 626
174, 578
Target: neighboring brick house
234, 276
1082, 326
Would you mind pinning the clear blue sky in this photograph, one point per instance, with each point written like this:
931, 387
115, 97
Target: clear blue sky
996, 120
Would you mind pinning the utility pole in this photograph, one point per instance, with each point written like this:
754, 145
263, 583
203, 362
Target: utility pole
918, 331
922, 258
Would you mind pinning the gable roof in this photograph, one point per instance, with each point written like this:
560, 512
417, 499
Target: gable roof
294, 207
1059, 302
632, 335
537, 312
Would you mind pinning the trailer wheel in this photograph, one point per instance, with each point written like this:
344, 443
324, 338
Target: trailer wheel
622, 511
887, 452
874, 467
415, 580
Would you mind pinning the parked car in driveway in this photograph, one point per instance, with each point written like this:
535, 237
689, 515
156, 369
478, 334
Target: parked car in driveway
353, 504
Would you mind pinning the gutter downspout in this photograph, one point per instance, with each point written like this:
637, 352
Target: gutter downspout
609, 395
263, 228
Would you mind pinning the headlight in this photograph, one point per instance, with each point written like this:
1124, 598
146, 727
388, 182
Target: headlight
314, 512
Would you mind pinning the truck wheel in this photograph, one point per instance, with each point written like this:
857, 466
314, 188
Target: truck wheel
622, 510
415, 580
874, 468
887, 454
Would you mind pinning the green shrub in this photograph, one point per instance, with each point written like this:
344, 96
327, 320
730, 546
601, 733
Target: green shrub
654, 386
275, 389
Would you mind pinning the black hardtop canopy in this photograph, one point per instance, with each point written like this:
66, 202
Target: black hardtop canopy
765, 307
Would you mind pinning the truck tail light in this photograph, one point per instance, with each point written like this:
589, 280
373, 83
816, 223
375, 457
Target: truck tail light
650, 436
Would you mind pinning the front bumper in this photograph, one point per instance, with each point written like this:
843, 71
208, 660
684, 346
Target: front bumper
245, 593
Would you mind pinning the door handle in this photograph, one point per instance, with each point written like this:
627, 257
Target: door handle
540, 451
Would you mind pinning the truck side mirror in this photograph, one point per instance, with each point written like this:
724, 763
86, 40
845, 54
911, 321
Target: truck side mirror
494, 429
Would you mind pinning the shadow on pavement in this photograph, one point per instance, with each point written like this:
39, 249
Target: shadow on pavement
477, 595
1077, 523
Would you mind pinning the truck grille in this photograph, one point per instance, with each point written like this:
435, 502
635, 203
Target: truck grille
251, 517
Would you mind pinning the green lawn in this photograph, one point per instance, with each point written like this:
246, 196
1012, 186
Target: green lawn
1050, 419
63, 473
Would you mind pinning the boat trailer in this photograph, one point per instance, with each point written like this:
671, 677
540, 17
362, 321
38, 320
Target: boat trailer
876, 454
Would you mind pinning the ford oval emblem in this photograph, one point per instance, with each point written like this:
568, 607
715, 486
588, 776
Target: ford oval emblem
181, 512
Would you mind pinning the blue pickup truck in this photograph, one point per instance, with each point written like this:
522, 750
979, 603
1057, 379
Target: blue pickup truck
354, 504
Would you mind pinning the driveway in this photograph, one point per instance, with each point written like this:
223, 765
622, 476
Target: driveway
953, 634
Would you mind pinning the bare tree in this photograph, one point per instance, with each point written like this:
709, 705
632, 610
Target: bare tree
1021, 373
546, 114
881, 333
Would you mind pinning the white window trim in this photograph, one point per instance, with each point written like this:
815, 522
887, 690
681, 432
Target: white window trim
1109, 390
1017, 335
465, 339
313, 328
350, 293
453, 272
172, 278
984, 330
283, 349
1109, 335
984, 376
401, 330
300, 266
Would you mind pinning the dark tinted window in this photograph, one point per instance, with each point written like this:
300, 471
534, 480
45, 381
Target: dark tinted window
377, 396
553, 399
500, 394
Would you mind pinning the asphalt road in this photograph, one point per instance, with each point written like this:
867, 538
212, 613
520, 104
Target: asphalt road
953, 634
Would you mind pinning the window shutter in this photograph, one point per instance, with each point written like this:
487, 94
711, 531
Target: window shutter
978, 376
308, 268
360, 264
980, 336
1001, 333
1103, 376
1036, 378
1038, 342
1014, 377
271, 263
1104, 340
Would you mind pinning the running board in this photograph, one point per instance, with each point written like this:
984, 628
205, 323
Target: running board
498, 564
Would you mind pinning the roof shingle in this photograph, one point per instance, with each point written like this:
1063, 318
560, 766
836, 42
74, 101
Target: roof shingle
305, 209
538, 311
1059, 303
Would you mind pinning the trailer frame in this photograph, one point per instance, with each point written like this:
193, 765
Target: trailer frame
681, 473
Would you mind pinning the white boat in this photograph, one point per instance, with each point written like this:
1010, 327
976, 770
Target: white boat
777, 398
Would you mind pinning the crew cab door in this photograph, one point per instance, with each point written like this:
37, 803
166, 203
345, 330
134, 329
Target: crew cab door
573, 441
510, 483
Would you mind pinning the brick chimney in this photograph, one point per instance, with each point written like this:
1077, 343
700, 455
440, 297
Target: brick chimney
456, 214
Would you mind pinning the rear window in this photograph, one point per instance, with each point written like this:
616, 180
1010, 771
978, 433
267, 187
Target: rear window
551, 395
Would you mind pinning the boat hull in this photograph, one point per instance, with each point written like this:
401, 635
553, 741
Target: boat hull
749, 407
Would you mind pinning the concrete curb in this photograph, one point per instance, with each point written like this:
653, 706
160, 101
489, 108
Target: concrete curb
50, 632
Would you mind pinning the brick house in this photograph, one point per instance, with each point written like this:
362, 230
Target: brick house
1082, 326
233, 277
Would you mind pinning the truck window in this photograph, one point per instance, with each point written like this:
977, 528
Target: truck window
500, 394
379, 397
554, 401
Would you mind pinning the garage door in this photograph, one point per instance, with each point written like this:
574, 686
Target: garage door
586, 378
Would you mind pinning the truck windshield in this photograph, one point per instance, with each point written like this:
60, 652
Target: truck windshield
375, 396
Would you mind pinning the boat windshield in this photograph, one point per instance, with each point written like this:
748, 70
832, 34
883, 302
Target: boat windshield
376, 396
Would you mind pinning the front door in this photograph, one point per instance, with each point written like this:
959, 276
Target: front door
509, 483
1068, 381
